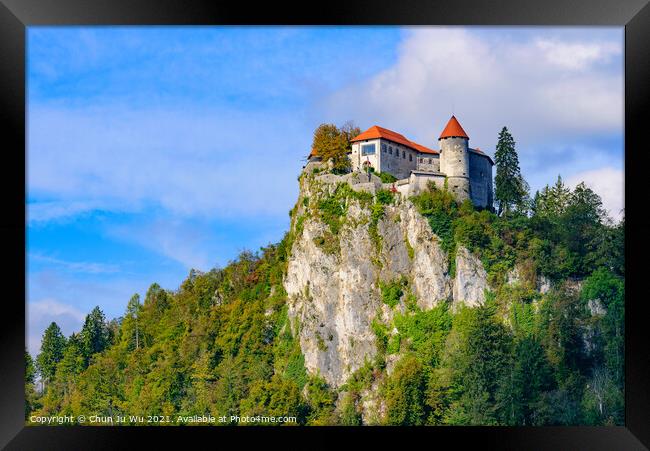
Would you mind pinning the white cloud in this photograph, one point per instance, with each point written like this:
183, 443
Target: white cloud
188, 162
609, 184
41, 313
182, 242
532, 85
75, 266
576, 55
42, 212
53, 308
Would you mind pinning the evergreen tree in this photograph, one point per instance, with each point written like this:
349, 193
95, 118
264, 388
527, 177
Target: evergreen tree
156, 299
95, 335
320, 399
30, 369
405, 391
510, 187
52, 347
609, 290
552, 201
581, 227
130, 325
72, 363
480, 365
30, 377
531, 377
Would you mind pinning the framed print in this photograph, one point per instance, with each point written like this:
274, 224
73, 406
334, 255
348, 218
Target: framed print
375, 221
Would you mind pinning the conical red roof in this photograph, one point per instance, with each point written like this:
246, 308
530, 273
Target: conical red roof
453, 128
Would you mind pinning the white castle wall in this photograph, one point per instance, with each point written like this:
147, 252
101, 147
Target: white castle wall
358, 159
454, 162
468, 173
397, 159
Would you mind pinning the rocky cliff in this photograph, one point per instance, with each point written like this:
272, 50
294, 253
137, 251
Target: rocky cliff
339, 264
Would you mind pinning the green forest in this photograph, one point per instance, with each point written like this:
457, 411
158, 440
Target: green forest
221, 344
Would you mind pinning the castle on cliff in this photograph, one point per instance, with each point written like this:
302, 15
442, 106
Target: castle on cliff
466, 171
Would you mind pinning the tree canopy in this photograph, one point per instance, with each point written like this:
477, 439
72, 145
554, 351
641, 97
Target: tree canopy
333, 144
52, 347
511, 190
223, 344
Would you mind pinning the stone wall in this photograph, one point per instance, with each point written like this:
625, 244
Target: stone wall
480, 171
429, 163
397, 159
418, 181
358, 159
468, 172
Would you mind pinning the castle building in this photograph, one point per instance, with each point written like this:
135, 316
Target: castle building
467, 171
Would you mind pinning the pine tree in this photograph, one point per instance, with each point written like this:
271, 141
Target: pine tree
133, 311
30, 369
72, 362
510, 187
52, 347
552, 201
30, 377
94, 334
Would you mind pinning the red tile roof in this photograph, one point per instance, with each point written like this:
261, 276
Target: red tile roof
376, 131
453, 128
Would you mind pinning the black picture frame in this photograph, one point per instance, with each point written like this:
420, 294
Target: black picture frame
16, 15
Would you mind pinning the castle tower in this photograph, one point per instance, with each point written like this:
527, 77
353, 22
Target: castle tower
454, 158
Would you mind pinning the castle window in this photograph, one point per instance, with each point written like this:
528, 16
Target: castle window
390, 150
410, 157
403, 154
430, 160
383, 148
368, 149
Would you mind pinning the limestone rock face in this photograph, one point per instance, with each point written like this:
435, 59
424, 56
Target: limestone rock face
471, 279
541, 283
334, 297
334, 276
596, 307
429, 267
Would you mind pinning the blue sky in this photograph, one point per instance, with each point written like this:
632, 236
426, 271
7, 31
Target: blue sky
153, 150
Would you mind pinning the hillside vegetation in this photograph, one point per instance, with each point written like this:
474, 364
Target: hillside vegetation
221, 344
